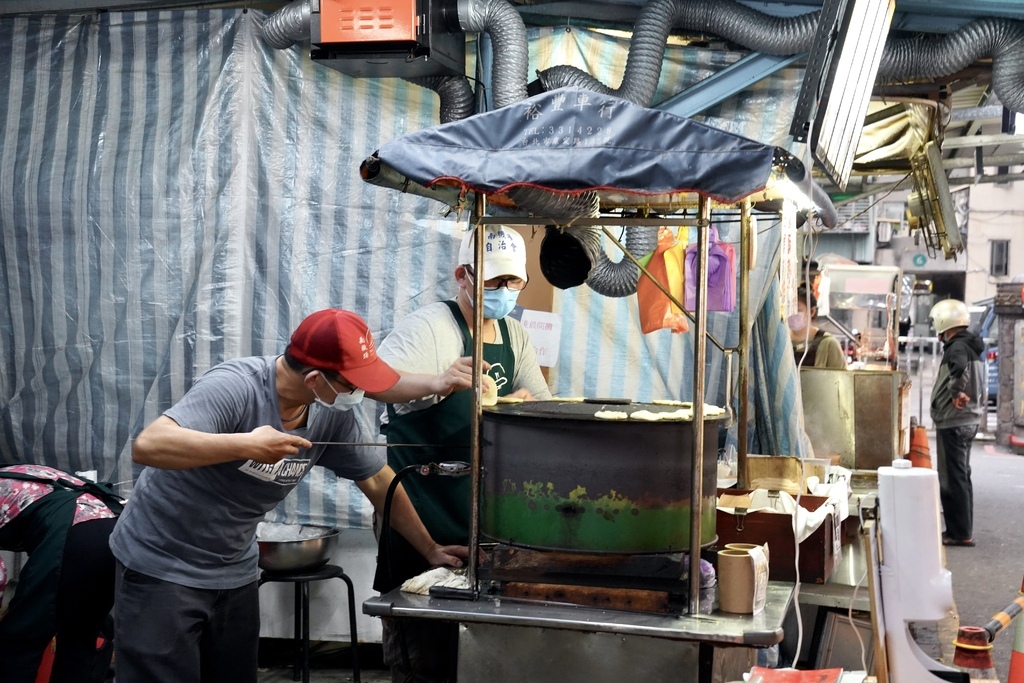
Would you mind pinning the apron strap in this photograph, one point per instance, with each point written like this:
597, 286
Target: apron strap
103, 490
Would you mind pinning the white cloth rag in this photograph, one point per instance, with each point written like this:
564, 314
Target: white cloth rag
438, 576
807, 521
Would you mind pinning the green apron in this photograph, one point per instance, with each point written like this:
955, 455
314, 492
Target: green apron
442, 502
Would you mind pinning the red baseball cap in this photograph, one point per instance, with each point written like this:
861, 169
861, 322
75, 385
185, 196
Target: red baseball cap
333, 339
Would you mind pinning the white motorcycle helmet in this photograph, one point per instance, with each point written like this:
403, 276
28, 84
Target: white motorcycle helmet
949, 313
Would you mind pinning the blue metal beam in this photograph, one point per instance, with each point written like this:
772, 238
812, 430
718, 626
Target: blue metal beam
726, 83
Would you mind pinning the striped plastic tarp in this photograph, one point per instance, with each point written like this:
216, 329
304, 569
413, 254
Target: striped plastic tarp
174, 193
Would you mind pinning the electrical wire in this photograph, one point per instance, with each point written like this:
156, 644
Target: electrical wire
808, 164
869, 206
853, 598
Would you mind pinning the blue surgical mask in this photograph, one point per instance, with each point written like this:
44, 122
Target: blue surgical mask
342, 402
499, 302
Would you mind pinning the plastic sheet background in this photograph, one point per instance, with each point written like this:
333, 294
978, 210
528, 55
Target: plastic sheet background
174, 193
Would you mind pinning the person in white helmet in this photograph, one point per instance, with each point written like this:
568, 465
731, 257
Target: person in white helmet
957, 407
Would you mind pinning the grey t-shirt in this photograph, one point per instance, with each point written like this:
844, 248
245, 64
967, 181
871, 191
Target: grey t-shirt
429, 340
197, 527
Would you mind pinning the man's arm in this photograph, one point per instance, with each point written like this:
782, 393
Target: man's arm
406, 521
168, 445
412, 386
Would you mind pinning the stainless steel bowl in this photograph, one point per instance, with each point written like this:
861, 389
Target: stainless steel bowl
300, 554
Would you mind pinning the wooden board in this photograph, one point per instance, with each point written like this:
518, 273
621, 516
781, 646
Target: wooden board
590, 596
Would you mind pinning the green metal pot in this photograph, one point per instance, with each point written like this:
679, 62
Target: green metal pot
555, 477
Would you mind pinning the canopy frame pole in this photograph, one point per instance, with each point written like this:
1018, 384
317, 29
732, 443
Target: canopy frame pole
476, 422
746, 263
699, 371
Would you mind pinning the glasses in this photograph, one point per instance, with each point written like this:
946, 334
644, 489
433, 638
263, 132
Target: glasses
330, 377
511, 282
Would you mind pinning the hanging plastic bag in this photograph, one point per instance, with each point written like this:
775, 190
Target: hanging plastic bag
666, 265
721, 275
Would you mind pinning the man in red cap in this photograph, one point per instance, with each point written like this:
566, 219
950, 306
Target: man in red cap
227, 453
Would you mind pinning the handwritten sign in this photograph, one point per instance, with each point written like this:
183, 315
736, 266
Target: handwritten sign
545, 331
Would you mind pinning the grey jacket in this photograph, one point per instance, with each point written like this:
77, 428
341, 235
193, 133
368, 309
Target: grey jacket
961, 370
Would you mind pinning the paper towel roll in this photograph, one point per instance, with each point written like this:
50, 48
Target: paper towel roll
747, 547
735, 581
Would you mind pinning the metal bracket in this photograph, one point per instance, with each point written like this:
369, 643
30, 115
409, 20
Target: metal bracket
741, 514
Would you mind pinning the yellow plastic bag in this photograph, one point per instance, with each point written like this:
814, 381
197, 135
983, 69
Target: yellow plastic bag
666, 265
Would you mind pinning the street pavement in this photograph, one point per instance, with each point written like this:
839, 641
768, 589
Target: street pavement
988, 577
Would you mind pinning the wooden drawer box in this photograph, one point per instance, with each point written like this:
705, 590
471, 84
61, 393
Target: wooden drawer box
819, 552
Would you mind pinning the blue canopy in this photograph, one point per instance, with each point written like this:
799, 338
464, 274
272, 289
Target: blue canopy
573, 140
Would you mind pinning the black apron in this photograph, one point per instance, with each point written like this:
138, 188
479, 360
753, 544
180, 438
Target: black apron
41, 530
442, 502
812, 350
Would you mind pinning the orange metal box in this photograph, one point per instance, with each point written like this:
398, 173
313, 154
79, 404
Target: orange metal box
367, 21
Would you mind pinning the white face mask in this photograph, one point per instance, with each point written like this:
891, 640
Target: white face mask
797, 322
341, 401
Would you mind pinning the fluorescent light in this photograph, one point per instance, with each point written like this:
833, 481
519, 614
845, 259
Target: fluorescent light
847, 89
790, 191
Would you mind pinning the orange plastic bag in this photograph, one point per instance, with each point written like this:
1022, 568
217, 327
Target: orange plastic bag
656, 310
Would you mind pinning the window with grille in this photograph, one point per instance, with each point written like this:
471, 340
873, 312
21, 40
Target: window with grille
999, 264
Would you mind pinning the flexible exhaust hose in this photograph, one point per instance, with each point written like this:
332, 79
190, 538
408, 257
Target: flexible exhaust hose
726, 18
454, 92
288, 25
503, 23
619, 278
826, 213
567, 260
1001, 39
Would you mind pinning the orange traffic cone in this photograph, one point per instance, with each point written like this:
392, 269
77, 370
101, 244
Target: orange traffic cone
973, 653
1017, 654
920, 453
1017, 657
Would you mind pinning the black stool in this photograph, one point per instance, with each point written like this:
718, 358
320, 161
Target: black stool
301, 581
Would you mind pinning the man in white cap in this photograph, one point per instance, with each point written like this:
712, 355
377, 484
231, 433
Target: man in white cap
433, 337
228, 452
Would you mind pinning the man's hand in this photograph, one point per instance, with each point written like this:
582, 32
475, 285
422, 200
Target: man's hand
961, 400
270, 445
447, 555
457, 377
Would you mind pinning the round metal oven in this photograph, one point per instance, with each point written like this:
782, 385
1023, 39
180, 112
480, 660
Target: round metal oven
553, 476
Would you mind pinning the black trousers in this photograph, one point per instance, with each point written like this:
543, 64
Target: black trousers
955, 488
175, 634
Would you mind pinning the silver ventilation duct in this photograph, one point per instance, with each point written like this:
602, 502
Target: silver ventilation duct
288, 25
903, 59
